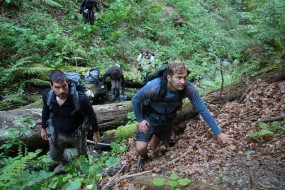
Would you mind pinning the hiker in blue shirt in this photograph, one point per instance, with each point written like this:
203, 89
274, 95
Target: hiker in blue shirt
163, 97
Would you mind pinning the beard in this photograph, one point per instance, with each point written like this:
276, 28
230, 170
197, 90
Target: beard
62, 95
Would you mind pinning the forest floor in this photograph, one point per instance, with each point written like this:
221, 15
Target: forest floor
248, 163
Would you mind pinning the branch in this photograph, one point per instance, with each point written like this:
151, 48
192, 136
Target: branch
176, 159
92, 142
133, 175
129, 176
114, 177
279, 118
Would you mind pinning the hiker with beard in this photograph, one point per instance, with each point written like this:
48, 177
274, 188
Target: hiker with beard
117, 81
162, 97
86, 9
62, 123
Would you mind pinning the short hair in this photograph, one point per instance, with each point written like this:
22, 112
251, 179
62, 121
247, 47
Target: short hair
144, 51
176, 66
57, 76
116, 72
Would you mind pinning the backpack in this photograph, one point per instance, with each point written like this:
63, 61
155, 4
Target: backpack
162, 73
92, 76
158, 73
150, 54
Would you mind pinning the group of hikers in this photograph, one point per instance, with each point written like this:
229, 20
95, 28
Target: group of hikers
65, 119
67, 116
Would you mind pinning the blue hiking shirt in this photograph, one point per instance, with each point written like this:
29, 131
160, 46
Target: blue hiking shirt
148, 94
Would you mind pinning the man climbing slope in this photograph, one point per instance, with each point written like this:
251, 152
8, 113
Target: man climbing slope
86, 8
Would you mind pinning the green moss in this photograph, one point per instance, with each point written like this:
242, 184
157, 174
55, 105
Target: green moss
123, 132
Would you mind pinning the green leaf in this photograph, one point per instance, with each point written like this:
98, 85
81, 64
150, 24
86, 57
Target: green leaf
116, 147
74, 185
174, 176
265, 132
184, 181
53, 183
172, 183
66, 178
158, 181
112, 161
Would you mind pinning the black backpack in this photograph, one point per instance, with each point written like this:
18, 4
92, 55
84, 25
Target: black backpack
162, 73
150, 54
158, 73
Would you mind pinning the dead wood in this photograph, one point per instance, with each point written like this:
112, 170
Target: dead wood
236, 90
113, 178
109, 116
265, 120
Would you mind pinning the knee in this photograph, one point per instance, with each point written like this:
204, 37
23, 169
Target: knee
141, 148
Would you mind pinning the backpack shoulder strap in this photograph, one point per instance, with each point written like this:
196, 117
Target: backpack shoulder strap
163, 87
75, 97
50, 95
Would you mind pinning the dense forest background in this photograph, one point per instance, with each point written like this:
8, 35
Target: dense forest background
38, 36
220, 41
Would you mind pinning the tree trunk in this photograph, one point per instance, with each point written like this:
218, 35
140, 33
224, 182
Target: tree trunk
110, 116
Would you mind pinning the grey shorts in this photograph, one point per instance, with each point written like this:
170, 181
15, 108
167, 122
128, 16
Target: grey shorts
160, 126
58, 143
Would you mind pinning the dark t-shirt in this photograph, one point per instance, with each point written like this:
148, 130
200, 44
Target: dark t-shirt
64, 120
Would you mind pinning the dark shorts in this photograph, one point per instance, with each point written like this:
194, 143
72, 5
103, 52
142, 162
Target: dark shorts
160, 126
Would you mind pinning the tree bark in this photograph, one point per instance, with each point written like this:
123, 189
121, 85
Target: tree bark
109, 116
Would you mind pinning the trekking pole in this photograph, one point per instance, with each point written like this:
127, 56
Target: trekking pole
92, 142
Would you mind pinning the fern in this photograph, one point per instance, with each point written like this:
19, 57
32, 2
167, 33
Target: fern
37, 82
11, 175
50, 3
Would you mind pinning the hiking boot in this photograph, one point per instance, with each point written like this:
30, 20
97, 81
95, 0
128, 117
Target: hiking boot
142, 161
58, 169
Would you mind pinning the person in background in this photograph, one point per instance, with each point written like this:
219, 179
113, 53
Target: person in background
62, 124
86, 9
146, 64
117, 81
156, 124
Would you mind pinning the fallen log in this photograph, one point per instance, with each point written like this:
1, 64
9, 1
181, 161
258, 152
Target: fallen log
109, 116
